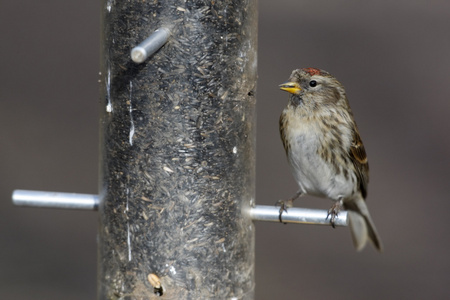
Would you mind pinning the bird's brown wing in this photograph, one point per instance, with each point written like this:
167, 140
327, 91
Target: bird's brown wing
359, 158
283, 124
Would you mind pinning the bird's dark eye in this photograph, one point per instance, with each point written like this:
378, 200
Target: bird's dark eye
312, 83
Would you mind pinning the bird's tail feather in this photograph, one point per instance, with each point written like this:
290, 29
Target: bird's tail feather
361, 225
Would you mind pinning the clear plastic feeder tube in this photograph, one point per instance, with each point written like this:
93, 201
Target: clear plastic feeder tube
178, 151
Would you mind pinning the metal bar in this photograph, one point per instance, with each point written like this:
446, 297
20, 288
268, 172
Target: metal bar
90, 202
55, 200
150, 45
296, 215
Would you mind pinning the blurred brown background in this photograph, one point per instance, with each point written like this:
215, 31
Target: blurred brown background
393, 58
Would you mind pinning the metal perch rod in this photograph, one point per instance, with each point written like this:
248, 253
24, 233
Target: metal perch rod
90, 202
296, 215
55, 200
150, 45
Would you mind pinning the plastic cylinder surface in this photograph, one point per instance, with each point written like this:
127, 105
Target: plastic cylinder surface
177, 151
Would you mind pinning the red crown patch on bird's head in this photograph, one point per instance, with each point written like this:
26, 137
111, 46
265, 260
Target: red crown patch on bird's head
312, 71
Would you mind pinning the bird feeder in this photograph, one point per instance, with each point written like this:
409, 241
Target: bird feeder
177, 152
177, 149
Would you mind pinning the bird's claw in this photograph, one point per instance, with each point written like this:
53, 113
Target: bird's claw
284, 205
333, 213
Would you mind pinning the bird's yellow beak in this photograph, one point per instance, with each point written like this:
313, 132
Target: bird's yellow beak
290, 87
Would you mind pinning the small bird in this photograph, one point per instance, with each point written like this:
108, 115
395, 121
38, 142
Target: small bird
325, 151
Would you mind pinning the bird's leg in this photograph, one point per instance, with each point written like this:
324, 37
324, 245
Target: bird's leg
285, 204
333, 212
